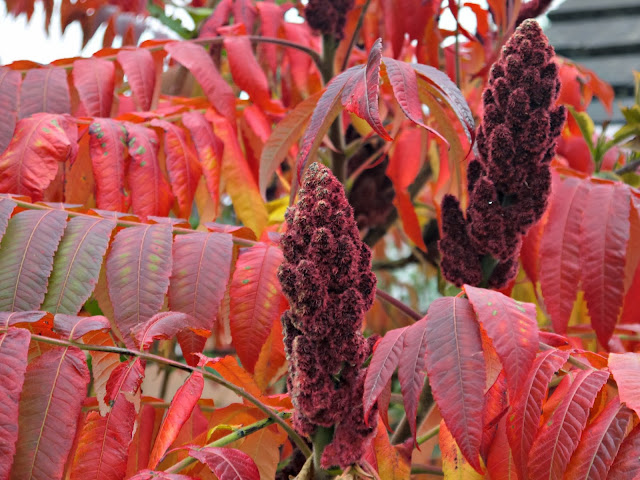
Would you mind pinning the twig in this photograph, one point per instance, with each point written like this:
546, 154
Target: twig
429, 435
299, 441
418, 469
354, 37
404, 308
629, 167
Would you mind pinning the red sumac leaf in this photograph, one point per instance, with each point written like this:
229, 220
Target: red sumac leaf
526, 406
271, 18
26, 257
44, 90
94, 79
626, 464
14, 347
625, 368
557, 439
500, 464
227, 463
410, 222
102, 364
6, 209
74, 327
179, 411
151, 475
108, 150
560, 249
255, 300
603, 252
512, 328
599, 443
9, 89
30, 163
456, 370
138, 269
166, 325
140, 68
55, 386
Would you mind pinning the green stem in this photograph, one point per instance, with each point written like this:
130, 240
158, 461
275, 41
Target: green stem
274, 415
422, 469
226, 440
429, 435
320, 439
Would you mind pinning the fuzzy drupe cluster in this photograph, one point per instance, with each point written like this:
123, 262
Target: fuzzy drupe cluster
509, 181
328, 16
326, 276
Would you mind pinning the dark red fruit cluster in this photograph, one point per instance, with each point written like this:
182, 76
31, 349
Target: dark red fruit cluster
326, 276
328, 16
509, 182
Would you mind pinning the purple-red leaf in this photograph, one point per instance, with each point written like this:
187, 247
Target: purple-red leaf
182, 164
165, 325
150, 190
9, 88
94, 79
77, 263
138, 269
512, 328
599, 443
626, 371
384, 361
55, 386
108, 150
140, 68
197, 60
360, 94
201, 268
456, 369
26, 257
74, 327
560, 249
227, 463
6, 209
604, 235
256, 300
526, 406
179, 411
44, 90
558, 438
30, 163
627, 462
14, 347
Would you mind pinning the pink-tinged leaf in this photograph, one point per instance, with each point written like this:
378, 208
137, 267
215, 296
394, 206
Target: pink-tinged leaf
384, 361
182, 164
39, 320
271, 18
405, 158
456, 370
138, 269
140, 68
627, 462
255, 300
360, 94
240, 184
500, 464
625, 368
513, 329
227, 463
73, 327
603, 250
560, 249
210, 150
179, 411
14, 347
495, 408
244, 11
151, 475
140, 446
201, 268
150, 190
55, 386
44, 90
219, 17
558, 438
108, 150
599, 443
283, 136
26, 257
248, 75
77, 263
102, 365
104, 442
526, 406
94, 79
411, 370
6, 209
325, 112
30, 163
9, 88
197, 60
530, 251
166, 325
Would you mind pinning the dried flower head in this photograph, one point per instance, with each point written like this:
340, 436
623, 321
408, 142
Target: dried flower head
328, 16
509, 183
326, 276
